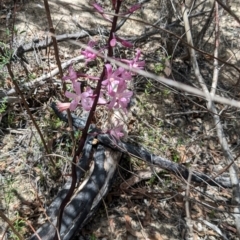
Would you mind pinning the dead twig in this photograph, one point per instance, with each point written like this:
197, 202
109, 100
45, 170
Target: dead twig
215, 61
190, 234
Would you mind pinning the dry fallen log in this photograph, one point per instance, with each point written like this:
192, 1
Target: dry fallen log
88, 195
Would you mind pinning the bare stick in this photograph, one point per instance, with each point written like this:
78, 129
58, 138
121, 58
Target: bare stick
189, 223
41, 80
215, 61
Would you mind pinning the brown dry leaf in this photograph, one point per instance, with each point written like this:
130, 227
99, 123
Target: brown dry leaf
147, 218
163, 212
228, 227
167, 69
129, 228
195, 236
226, 193
112, 225
127, 221
3, 16
37, 170
213, 233
2, 166
153, 235
131, 124
212, 145
158, 236
198, 210
182, 151
179, 200
157, 206
221, 207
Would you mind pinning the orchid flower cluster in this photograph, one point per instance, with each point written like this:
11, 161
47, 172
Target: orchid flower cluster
114, 93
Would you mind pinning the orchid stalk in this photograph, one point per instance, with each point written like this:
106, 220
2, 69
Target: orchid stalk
111, 84
111, 89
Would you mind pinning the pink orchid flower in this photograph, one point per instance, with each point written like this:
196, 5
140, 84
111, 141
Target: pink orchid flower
134, 8
87, 53
125, 43
120, 99
135, 63
72, 74
76, 97
113, 41
88, 99
114, 78
117, 132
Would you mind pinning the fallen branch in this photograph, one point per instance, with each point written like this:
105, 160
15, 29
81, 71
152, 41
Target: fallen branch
87, 196
37, 82
144, 154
